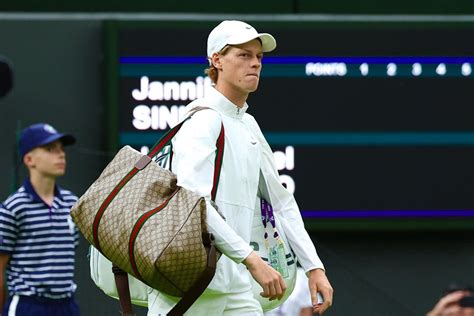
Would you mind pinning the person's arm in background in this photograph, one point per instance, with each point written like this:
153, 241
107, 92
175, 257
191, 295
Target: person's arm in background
194, 148
448, 305
3, 266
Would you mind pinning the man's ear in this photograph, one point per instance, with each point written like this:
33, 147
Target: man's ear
216, 61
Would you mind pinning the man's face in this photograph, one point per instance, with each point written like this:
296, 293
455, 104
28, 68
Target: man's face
48, 160
241, 66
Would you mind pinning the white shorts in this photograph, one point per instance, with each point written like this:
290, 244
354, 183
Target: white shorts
208, 304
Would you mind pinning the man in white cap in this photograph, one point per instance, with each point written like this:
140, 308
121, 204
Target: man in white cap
235, 50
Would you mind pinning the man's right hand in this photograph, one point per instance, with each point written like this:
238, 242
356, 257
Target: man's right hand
270, 280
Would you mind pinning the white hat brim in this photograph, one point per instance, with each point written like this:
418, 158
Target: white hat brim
268, 41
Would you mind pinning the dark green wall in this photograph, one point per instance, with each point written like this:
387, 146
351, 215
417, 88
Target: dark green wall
247, 6
203, 6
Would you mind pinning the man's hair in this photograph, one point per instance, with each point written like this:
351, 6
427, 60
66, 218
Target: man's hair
212, 73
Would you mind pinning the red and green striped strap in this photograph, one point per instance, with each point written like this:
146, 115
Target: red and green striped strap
136, 229
218, 162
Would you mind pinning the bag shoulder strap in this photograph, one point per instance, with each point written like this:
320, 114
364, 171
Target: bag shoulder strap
220, 143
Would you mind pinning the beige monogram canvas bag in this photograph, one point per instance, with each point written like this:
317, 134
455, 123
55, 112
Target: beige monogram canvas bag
149, 227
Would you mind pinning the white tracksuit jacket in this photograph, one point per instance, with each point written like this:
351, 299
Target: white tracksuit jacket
246, 153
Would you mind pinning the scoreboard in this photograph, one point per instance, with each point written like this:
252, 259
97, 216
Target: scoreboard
369, 122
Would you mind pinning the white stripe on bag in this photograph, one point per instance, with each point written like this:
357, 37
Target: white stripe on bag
13, 305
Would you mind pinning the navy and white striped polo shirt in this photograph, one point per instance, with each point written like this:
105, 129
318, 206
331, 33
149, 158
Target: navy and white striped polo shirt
41, 242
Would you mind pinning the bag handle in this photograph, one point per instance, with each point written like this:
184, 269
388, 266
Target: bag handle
123, 290
121, 277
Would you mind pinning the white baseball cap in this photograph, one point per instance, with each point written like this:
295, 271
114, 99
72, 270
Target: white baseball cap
235, 33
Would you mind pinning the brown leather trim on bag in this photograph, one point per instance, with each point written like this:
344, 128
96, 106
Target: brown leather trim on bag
121, 282
143, 162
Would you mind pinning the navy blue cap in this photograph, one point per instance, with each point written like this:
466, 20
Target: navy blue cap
39, 135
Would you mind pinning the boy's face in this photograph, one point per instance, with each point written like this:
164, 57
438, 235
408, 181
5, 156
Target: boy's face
48, 160
241, 66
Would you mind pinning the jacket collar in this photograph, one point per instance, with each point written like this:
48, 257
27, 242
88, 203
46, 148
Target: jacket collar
34, 196
223, 105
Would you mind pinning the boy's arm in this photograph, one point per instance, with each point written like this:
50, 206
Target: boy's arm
3, 266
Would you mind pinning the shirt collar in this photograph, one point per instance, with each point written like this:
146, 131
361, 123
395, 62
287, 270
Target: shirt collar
224, 105
31, 191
